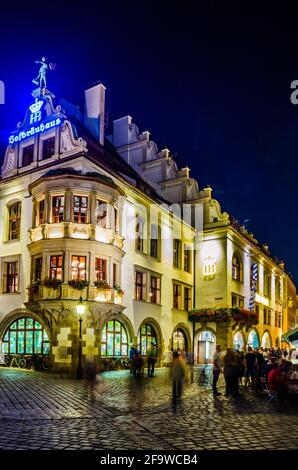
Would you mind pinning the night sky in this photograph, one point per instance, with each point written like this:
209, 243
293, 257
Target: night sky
212, 85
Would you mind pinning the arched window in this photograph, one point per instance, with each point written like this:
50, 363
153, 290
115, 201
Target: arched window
25, 336
14, 221
114, 339
179, 340
147, 339
236, 268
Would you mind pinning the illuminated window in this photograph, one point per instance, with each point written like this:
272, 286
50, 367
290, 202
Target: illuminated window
57, 209
147, 340
78, 268
209, 266
176, 295
14, 221
28, 153
267, 284
56, 267
155, 290
48, 148
80, 208
101, 213
41, 213
10, 277
237, 273
25, 336
140, 286
100, 269
114, 339
37, 269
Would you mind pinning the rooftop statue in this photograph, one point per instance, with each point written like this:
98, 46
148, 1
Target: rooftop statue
41, 79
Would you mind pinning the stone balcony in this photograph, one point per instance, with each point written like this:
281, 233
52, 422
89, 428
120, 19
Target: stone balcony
76, 231
65, 292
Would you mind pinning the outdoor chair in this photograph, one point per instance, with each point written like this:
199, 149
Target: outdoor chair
269, 394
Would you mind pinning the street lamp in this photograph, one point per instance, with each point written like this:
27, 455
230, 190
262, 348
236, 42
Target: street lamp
80, 307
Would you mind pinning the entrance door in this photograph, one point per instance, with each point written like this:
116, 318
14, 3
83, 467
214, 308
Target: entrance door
206, 348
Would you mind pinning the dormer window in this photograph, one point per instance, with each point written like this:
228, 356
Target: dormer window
14, 221
28, 153
48, 148
80, 207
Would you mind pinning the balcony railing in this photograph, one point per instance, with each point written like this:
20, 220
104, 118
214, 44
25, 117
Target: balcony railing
78, 231
66, 292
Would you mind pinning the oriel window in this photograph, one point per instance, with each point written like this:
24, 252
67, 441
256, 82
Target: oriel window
100, 269
14, 221
56, 267
78, 268
57, 209
11, 277
37, 269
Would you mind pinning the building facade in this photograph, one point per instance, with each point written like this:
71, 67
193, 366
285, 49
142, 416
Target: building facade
112, 228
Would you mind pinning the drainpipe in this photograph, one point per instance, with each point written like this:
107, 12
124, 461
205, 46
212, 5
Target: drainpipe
194, 299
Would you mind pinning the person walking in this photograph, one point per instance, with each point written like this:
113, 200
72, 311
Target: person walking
178, 376
250, 363
217, 366
151, 360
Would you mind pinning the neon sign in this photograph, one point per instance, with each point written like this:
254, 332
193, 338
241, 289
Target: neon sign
34, 130
35, 109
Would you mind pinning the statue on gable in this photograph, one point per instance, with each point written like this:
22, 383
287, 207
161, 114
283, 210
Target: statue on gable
41, 79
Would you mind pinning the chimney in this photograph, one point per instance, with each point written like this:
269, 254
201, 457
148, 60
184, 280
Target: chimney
95, 111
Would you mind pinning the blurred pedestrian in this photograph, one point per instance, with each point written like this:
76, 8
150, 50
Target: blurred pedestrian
250, 366
178, 376
151, 360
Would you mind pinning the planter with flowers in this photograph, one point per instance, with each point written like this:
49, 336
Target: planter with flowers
104, 291
118, 293
238, 315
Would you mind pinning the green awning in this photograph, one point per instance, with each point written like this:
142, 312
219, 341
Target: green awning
290, 336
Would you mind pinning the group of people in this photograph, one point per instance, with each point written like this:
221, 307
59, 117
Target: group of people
137, 361
255, 368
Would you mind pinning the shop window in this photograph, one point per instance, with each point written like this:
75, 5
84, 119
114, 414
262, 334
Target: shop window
176, 295
25, 336
147, 340
57, 209
10, 277
14, 221
78, 268
56, 267
80, 208
114, 340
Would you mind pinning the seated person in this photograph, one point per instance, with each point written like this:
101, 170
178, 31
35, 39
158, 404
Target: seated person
277, 383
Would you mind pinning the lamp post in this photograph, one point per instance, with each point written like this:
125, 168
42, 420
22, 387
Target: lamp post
80, 307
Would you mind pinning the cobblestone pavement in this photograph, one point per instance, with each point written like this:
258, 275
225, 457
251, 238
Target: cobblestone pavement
39, 410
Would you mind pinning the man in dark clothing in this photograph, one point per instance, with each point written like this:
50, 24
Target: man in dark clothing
250, 362
260, 369
217, 365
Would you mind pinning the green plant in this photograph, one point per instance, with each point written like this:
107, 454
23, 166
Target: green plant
101, 284
78, 284
51, 283
118, 289
217, 314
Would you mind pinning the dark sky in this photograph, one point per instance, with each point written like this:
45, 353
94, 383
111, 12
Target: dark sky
210, 83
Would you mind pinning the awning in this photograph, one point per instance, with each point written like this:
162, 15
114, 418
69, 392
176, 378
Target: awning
290, 336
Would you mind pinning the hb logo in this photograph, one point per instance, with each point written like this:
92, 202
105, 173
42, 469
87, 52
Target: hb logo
2, 93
